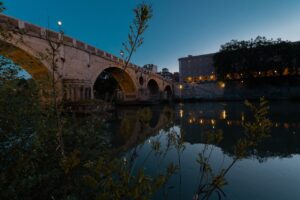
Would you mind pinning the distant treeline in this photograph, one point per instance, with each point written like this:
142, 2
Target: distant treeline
255, 55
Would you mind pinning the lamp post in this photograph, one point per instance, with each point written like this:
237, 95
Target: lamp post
122, 53
59, 23
180, 89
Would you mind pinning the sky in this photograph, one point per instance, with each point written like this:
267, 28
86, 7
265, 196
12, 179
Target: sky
178, 27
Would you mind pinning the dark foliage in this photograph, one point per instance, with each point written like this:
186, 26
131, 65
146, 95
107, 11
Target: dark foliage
260, 54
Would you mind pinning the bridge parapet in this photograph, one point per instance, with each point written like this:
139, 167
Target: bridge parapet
36, 31
40, 32
80, 63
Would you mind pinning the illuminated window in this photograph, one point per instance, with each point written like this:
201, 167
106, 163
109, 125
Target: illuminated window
286, 71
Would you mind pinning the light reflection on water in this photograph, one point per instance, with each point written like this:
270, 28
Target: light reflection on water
271, 171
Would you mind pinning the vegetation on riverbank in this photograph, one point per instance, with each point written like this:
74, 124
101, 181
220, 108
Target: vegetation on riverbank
259, 58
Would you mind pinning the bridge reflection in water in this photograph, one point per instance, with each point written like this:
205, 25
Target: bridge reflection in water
272, 163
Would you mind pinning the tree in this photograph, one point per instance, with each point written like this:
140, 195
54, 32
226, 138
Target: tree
249, 57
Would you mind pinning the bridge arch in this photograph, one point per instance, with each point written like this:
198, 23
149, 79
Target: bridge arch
31, 64
153, 87
39, 70
168, 91
120, 80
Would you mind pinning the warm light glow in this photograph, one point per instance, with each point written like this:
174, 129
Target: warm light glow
200, 77
259, 73
222, 84
213, 122
285, 71
201, 121
243, 117
181, 113
223, 114
190, 121
212, 77
190, 78
180, 87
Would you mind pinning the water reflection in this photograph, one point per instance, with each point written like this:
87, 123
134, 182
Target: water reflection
195, 119
190, 123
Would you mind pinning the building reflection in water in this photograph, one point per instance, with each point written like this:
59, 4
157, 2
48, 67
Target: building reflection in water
193, 121
223, 114
216, 116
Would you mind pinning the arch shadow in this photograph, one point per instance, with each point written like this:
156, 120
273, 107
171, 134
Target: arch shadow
153, 87
112, 79
168, 91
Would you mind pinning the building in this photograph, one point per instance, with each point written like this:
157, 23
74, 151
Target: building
197, 68
176, 77
151, 67
166, 74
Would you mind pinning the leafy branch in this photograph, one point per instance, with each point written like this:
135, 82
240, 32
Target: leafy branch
255, 132
143, 13
51, 56
2, 8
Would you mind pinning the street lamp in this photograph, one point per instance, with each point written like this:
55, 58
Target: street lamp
59, 23
180, 89
122, 53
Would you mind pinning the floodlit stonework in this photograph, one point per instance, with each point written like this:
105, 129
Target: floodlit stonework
79, 64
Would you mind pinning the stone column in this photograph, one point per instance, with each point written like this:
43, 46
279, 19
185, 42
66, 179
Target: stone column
77, 90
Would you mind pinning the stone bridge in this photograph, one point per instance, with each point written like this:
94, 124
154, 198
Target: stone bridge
78, 64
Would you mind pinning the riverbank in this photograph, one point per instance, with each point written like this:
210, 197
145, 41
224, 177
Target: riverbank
237, 92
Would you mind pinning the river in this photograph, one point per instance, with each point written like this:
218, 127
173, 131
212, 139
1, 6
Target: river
269, 171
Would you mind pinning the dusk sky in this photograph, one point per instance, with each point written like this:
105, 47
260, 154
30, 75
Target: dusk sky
178, 28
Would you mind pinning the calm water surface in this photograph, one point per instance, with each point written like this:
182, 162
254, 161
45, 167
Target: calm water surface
271, 171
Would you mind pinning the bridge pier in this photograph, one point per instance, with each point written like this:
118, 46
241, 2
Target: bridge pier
77, 90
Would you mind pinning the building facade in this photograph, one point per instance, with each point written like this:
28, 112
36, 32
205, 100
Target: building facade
176, 77
166, 74
151, 67
197, 68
